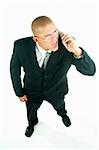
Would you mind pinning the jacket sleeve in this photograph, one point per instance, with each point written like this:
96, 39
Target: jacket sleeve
84, 65
15, 72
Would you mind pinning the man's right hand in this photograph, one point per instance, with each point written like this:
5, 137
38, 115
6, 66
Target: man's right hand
23, 98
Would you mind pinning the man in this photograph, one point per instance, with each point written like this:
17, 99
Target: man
46, 58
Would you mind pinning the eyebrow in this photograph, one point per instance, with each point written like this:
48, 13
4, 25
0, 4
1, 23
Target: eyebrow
50, 33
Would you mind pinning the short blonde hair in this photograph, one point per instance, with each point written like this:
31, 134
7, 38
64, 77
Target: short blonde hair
40, 21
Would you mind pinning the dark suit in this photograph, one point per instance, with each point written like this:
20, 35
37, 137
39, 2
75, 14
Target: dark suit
50, 84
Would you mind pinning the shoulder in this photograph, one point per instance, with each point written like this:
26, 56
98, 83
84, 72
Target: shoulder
24, 45
24, 41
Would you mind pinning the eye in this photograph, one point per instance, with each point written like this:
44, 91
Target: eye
55, 31
48, 35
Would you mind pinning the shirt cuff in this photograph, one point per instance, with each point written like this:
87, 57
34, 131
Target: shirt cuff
79, 57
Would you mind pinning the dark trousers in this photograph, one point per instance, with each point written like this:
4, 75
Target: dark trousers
33, 105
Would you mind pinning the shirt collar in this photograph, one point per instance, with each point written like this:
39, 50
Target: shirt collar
42, 51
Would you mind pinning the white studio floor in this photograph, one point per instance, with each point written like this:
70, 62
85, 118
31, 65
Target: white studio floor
50, 133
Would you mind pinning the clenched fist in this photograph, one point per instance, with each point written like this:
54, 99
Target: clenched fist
23, 98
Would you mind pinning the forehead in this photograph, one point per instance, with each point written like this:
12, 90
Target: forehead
46, 29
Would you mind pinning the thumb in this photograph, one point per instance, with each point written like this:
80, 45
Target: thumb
25, 98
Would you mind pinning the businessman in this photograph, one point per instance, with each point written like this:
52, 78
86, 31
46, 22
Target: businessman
46, 58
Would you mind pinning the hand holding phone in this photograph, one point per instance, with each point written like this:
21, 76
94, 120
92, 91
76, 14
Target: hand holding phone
70, 44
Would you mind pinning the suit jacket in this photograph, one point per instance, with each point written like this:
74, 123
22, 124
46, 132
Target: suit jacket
52, 82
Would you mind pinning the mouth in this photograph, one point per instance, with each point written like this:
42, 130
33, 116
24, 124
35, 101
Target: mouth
55, 45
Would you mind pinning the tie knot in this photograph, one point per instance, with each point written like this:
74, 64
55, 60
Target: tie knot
47, 53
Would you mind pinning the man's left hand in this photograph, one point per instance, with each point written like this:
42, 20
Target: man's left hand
70, 44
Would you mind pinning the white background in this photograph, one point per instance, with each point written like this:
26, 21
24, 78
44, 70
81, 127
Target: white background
79, 18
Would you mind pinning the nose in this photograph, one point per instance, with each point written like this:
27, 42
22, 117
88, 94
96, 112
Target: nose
54, 37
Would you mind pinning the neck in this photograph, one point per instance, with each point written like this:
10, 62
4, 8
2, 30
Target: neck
39, 46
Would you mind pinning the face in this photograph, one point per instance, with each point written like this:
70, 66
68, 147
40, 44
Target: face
47, 37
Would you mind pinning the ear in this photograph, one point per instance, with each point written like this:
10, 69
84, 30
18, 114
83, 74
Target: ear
35, 38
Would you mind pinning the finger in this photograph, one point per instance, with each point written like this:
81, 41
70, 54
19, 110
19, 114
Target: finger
65, 37
25, 98
22, 100
66, 40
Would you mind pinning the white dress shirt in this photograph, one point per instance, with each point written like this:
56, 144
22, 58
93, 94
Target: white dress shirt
40, 54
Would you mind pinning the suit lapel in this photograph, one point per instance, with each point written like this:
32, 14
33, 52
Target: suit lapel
55, 56
54, 59
33, 55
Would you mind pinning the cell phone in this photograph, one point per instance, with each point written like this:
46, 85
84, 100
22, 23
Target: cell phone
60, 33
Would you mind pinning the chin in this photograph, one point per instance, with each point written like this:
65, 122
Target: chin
55, 49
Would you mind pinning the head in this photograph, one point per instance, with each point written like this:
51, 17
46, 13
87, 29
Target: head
45, 33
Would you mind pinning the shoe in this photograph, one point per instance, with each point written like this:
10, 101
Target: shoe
66, 120
30, 128
29, 131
